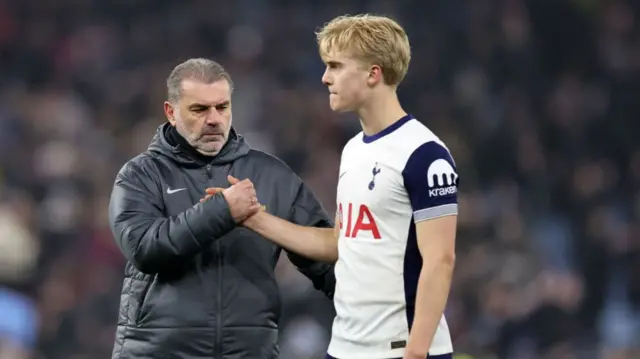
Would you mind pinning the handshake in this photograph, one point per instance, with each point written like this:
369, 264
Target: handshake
241, 198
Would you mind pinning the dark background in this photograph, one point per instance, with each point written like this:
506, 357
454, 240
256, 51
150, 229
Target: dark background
537, 100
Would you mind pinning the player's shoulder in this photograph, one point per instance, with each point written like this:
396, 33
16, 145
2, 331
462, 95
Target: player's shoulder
428, 161
397, 143
415, 139
415, 134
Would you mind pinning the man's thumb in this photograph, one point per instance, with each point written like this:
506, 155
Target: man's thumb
232, 179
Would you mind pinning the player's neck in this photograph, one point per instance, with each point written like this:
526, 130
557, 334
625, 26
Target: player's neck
379, 113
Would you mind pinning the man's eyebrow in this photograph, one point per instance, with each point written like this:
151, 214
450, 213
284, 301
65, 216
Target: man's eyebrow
198, 105
206, 105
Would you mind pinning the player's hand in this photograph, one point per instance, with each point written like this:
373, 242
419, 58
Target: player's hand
241, 198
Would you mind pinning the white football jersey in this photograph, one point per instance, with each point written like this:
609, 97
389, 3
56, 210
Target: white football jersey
388, 182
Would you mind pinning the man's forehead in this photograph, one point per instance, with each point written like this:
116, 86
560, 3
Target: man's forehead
212, 93
335, 56
341, 57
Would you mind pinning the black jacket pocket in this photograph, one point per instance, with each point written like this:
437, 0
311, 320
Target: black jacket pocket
139, 292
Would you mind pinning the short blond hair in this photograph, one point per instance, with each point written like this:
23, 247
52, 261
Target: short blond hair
375, 40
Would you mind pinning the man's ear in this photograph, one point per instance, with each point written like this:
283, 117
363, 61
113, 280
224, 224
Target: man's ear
169, 112
375, 75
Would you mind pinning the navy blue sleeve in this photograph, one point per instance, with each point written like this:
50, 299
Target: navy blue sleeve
431, 181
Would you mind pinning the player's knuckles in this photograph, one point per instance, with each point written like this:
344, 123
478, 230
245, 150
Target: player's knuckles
245, 188
249, 192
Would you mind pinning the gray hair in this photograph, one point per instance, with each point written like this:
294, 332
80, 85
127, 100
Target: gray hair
205, 70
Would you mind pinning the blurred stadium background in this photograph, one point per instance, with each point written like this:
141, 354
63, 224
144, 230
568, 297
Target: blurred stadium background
537, 99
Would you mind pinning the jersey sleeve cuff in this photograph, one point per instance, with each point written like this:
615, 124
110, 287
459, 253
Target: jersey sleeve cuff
435, 212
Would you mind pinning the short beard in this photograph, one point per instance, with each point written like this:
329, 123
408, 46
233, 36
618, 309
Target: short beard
207, 153
214, 151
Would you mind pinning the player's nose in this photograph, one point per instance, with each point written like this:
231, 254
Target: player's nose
325, 78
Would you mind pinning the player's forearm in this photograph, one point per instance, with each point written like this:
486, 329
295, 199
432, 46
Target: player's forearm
314, 243
433, 290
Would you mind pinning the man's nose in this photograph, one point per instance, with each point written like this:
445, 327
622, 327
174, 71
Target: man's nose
325, 78
213, 118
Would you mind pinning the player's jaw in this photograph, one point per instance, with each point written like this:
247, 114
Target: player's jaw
336, 103
347, 92
346, 100
347, 87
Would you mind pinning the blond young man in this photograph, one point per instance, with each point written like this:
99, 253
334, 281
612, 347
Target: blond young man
394, 238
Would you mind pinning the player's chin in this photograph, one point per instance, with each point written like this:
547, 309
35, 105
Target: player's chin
339, 106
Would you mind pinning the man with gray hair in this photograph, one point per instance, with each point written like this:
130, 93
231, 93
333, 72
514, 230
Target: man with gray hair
198, 284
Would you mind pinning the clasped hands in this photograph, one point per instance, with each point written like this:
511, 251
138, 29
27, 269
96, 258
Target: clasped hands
241, 198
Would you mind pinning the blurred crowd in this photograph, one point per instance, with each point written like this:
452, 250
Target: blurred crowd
537, 100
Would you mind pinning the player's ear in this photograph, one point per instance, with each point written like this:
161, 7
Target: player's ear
169, 112
375, 75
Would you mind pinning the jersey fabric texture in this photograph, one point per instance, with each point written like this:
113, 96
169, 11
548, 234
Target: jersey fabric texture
388, 182
196, 285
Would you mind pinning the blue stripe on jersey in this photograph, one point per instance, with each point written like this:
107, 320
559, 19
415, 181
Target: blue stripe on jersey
431, 181
412, 268
441, 356
394, 126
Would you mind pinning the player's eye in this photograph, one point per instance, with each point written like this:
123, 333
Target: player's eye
332, 65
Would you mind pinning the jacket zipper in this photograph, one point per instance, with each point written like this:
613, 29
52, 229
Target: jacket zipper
218, 314
219, 304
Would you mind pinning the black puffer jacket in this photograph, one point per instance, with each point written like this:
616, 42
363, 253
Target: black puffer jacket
196, 285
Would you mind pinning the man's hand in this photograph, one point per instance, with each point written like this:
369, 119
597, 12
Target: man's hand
210, 192
241, 198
